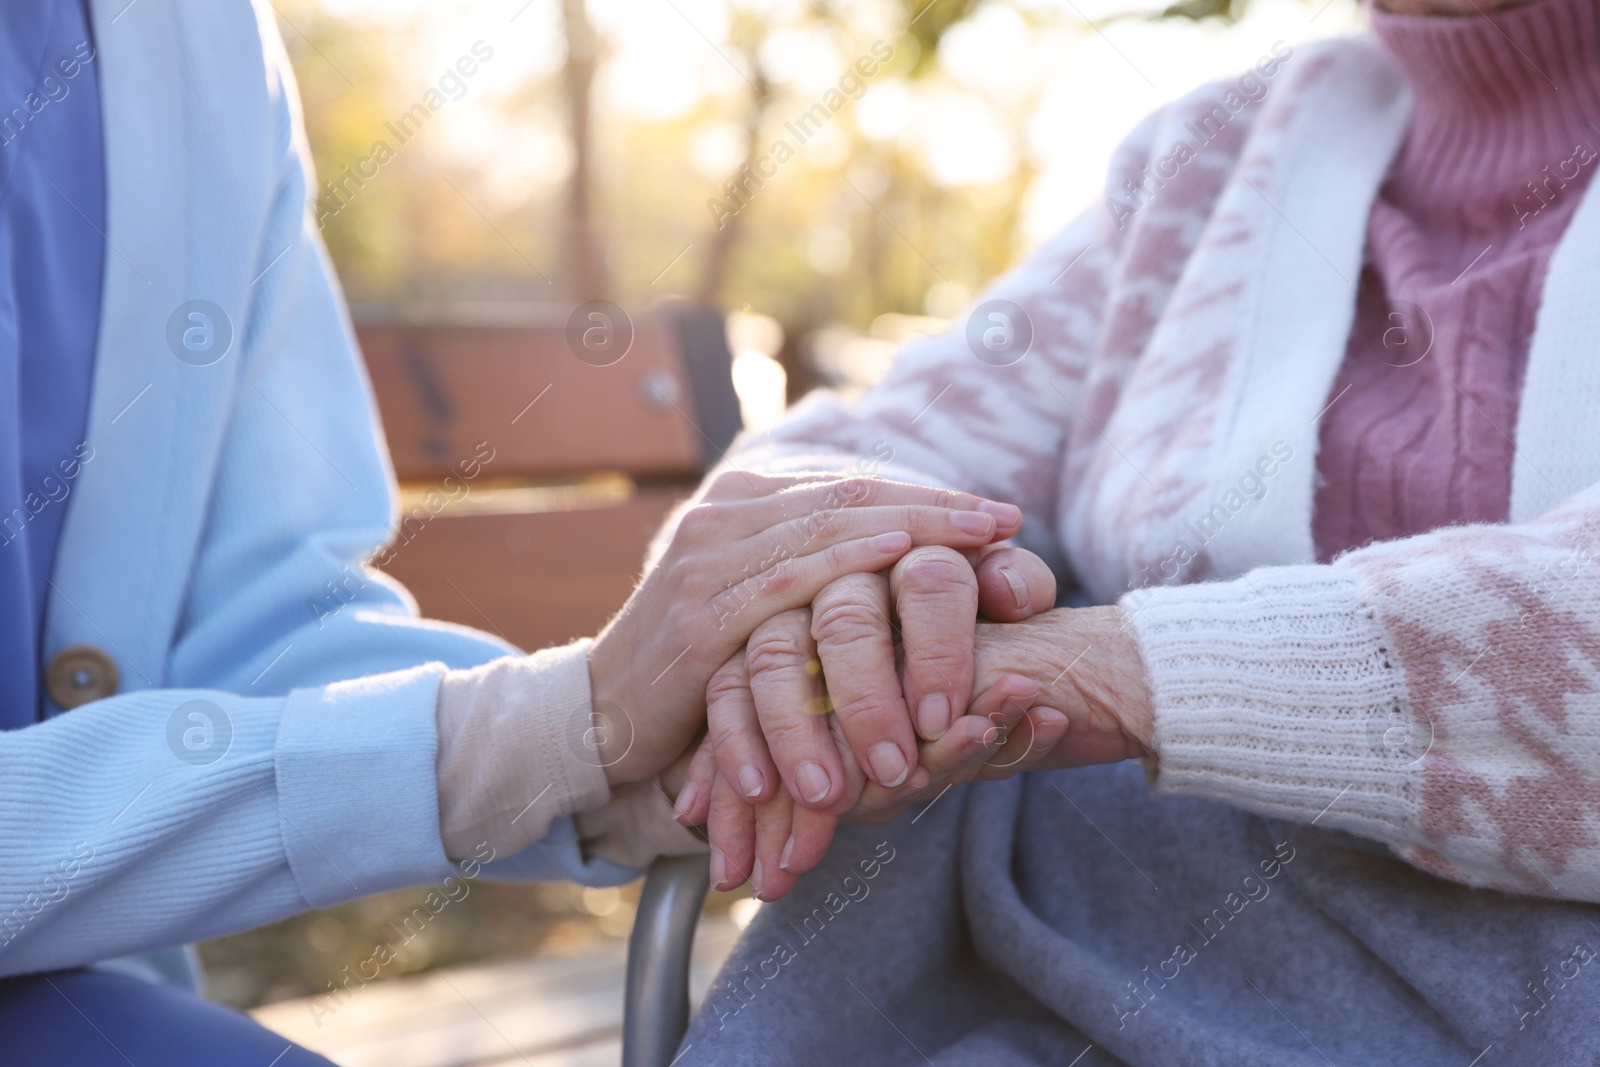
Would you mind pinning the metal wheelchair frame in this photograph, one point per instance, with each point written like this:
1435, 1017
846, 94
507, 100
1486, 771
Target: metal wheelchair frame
656, 1004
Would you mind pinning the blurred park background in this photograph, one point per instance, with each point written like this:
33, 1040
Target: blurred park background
483, 155
586, 156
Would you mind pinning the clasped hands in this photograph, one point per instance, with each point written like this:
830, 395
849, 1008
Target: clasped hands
857, 645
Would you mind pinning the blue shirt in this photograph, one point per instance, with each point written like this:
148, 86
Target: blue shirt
52, 254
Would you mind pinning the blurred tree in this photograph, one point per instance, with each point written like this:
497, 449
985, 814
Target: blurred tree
725, 234
815, 301
863, 221
927, 21
585, 260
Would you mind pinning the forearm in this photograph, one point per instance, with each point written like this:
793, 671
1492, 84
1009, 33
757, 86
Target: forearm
168, 816
519, 749
1274, 693
516, 750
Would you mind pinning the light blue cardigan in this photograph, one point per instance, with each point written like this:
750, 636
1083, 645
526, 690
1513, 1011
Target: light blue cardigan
218, 502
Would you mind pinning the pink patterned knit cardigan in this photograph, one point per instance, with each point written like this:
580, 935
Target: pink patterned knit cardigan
1149, 387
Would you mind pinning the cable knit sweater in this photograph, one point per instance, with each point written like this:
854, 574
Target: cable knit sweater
1153, 387
1500, 149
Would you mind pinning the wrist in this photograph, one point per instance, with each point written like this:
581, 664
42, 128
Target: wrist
611, 732
636, 727
1114, 678
1087, 665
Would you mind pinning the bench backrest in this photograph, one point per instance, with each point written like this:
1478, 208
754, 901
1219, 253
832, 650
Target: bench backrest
665, 410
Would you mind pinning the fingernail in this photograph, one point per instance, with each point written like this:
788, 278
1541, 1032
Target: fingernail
788, 851
813, 781
896, 541
719, 868
888, 764
685, 802
973, 522
933, 716
1018, 584
751, 781
1004, 514
1049, 717
755, 878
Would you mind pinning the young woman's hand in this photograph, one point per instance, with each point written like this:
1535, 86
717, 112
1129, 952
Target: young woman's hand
756, 546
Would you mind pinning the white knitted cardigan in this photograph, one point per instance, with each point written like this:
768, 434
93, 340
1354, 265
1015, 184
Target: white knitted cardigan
1440, 693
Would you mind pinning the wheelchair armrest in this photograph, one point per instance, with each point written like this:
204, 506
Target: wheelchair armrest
656, 1004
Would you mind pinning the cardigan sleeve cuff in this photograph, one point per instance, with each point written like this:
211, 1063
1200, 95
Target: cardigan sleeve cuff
515, 751
357, 800
1277, 693
636, 826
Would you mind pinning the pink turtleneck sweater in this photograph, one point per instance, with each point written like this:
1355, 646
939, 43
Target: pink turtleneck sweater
1503, 141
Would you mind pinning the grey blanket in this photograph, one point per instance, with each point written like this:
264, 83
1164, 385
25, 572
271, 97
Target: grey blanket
1072, 919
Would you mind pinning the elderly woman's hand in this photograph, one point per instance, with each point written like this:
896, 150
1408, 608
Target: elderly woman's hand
865, 755
775, 841
756, 546
768, 709
1063, 688
1086, 664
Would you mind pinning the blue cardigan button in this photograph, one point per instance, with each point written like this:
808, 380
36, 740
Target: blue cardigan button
80, 674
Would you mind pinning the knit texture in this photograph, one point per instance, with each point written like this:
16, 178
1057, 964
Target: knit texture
1277, 693
512, 753
516, 753
636, 826
1500, 149
1434, 691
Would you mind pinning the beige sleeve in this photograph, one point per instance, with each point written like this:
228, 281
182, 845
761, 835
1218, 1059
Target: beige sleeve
513, 759
636, 826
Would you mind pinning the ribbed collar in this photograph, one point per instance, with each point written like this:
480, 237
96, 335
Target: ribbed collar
1498, 98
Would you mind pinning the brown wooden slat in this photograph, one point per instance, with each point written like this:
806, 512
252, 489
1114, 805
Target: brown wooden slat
442, 389
538, 579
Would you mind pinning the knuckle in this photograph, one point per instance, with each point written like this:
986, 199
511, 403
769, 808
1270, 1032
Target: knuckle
843, 621
857, 491
869, 587
919, 521
934, 665
825, 525
755, 483
729, 484
777, 648
838, 558
870, 702
778, 579
856, 588
727, 682
786, 734
699, 521
692, 569
728, 743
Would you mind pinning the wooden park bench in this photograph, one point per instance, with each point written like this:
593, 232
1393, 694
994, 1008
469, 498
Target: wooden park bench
536, 456
532, 480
